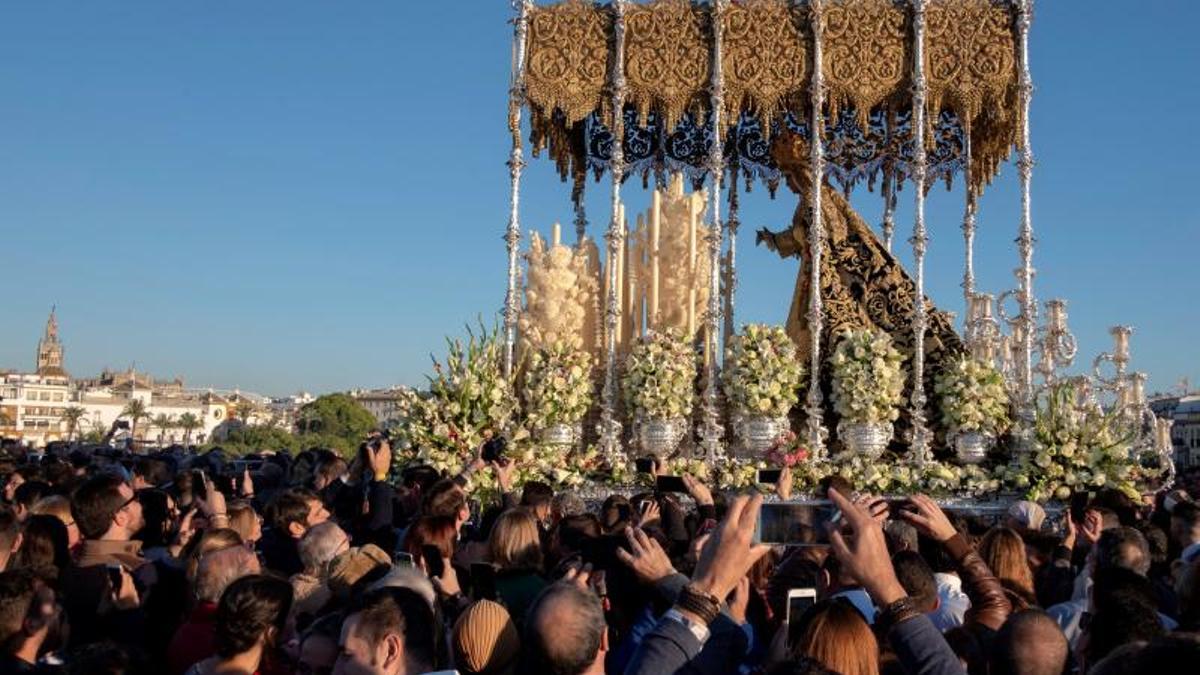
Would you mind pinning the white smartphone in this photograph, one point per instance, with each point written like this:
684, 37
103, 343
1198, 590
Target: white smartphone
798, 602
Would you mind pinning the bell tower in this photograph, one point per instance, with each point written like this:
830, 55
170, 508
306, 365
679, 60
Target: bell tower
50, 350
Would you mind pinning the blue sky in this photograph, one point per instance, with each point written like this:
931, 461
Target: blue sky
285, 195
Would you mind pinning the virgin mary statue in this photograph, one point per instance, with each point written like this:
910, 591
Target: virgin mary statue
862, 283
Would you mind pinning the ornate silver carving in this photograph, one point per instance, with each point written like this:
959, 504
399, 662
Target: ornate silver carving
710, 414
732, 223
816, 238
757, 434
968, 228
865, 439
516, 162
609, 427
1026, 412
1056, 346
920, 432
659, 437
889, 188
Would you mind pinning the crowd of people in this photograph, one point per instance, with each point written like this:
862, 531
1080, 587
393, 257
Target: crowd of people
189, 563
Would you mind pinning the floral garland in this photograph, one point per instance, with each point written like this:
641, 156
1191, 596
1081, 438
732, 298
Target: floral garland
762, 374
558, 385
660, 374
972, 397
868, 378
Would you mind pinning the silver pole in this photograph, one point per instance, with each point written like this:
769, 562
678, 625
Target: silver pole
816, 240
732, 223
889, 188
968, 228
710, 427
516, 161
1026, 409
609, 429
919, 240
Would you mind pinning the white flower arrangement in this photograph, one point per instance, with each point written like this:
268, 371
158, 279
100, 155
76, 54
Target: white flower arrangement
1076, 449
972, 397
868, 377
762, 374
660, 374
558, 385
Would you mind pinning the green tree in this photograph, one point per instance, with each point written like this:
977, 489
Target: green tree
337, 415
244, 410
189, 422
164, 423
72, 415
136, 411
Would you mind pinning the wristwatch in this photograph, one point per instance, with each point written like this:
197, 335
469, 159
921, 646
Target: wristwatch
698, 631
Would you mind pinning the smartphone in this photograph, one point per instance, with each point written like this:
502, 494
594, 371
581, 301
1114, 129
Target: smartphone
434, 565
643, 507
644, 464
898, 506
791, 524
670, 484
769, 476
798, 602
199, 485
483, 580
493, 450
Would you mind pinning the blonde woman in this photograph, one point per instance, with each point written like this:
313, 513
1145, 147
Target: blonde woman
1004, 552
59, 507
515, 548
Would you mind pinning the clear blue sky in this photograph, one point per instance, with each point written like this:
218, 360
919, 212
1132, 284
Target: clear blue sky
284, 195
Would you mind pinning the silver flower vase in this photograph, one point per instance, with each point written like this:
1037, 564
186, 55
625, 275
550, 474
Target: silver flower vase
971, 447
659, 437
756, 434
561, 434
865, 439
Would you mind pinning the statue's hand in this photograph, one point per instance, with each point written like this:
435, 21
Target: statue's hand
765, 236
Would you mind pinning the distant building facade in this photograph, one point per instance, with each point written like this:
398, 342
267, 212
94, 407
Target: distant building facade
1184, 411
384, 404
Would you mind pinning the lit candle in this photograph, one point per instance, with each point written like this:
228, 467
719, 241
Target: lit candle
655, 225
555, 235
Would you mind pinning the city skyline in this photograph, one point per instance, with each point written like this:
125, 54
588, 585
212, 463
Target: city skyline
298, 199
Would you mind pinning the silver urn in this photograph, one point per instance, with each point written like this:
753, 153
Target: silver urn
561, 434
865, 439
659, 437
971, 447
757, 434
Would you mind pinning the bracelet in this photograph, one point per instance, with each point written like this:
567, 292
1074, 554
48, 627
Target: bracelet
702, 604
896, 613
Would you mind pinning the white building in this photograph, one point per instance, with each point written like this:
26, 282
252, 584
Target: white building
384, 404
1184, 411
106, 404
32, 405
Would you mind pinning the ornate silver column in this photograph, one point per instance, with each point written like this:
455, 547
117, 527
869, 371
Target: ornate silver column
919, 240
968, 226
1026, 411
889, 187
816, 241
580, 215
732, 223
516, 162
609, 427
710, 424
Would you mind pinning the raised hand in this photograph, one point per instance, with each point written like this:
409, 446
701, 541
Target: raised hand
648, 560
651, 514
446, 585
783, 487
1093, 525
875, 505
863, 552
698, 490
504, 470
738, 600
929, 519
728, 553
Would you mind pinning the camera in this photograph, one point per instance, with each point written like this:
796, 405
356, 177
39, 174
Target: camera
493, 450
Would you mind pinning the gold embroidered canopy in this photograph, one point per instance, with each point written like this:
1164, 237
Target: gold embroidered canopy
766, 60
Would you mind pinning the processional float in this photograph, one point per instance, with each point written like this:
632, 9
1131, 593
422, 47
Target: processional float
815, 94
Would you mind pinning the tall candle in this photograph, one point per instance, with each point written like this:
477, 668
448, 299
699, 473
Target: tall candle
655, 224
1121, 342
1056, 314
555, 234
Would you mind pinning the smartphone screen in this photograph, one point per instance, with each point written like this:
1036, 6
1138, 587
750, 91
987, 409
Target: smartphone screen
199, 490
1079, 504
799, 600
644, 464
403, 559
483, 580
796, 524
670, 484
769, 476
434, 564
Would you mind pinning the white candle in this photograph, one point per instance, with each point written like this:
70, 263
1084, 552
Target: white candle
1121, 342
555, 234
655, 225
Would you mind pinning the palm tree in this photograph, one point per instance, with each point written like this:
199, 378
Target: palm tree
71, 415
164, 422
136, 411
189, 423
